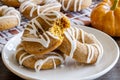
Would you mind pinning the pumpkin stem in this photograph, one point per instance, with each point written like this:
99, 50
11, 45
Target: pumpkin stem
115, 4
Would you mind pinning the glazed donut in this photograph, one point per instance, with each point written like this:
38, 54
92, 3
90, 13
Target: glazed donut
13, 3
9, 17
30, 9
47, 61
81, 46
44, 33
74, 5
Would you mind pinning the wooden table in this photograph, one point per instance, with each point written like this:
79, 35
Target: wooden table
113, 74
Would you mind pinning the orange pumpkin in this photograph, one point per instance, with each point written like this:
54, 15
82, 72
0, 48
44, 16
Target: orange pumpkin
106, 17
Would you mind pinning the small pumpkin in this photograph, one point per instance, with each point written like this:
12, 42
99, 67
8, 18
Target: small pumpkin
106, 17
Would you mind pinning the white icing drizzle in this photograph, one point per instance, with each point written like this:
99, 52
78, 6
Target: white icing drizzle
48, 19
49, 1
44, 41
75, 6
44, 38
10, 12
82, 36
49, 5
80, 3
100, 49
23, 57
90, 53
54, 63
18, 50
72, 35
76, 3
20, 58
40, 62
25, 5
90, 47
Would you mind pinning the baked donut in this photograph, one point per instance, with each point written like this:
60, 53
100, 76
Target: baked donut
31, 9
44, 33
74, 5
81, 46
13, 3
43, 62
9, 17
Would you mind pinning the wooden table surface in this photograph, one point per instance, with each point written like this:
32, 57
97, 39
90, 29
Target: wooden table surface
113, 74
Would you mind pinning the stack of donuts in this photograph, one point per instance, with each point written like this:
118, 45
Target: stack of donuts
40, 40
49, 36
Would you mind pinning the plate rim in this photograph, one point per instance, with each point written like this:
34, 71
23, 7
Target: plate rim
89, 77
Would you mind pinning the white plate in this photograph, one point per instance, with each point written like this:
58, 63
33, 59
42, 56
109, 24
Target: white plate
69, 72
